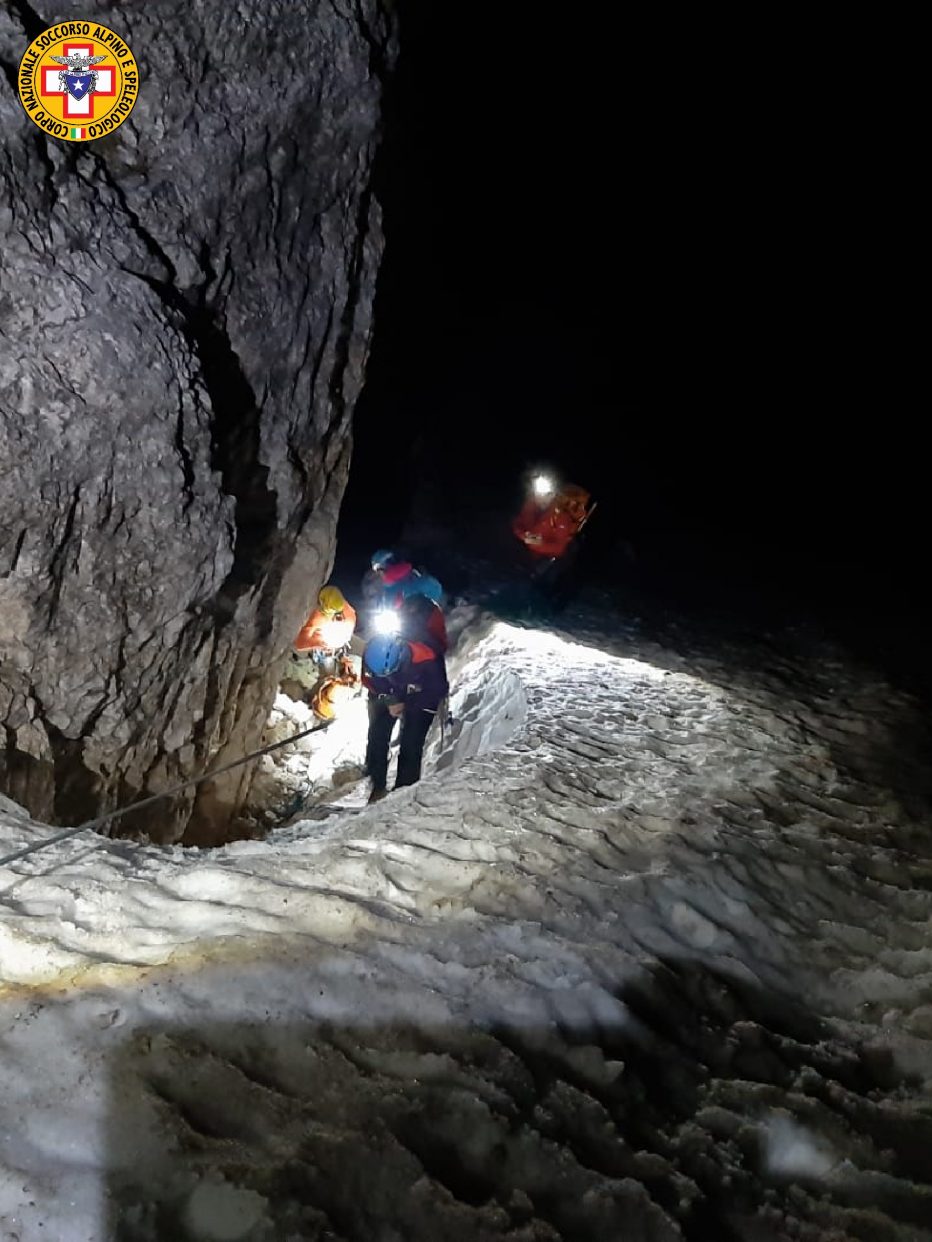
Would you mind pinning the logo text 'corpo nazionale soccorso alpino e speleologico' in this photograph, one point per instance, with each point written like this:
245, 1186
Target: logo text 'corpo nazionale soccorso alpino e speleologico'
78, 81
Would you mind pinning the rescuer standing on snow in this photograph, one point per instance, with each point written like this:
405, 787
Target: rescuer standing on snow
548, 526
406, 681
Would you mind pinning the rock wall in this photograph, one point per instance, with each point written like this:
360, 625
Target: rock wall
185, 310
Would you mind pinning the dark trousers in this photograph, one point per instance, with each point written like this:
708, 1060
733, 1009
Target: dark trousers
554, 581
415, 723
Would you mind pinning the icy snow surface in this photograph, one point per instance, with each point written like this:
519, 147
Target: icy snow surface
647, 955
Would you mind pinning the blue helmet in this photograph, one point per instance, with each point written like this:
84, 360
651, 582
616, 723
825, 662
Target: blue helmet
384, 654
381, 558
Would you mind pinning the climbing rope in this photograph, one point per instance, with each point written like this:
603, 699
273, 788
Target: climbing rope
168, 793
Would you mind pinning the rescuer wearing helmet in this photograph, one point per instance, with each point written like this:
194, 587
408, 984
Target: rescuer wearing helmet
550, 521
406, 680
549, 526
395, 586
398, 580
328, 630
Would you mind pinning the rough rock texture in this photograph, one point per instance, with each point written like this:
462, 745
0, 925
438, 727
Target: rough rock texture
184, 318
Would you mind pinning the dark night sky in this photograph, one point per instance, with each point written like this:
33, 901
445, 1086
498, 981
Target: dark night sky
630, 257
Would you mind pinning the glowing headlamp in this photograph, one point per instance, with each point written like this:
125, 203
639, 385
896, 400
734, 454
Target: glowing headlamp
386, 621
542, 485
331, 632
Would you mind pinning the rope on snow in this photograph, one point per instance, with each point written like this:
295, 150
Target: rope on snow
135, 806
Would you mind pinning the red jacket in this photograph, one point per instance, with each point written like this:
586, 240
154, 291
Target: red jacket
545, 530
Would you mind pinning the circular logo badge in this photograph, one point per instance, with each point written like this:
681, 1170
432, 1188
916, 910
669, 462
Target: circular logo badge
78, 81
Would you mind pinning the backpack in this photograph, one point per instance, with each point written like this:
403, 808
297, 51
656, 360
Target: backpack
422, 621
423, 583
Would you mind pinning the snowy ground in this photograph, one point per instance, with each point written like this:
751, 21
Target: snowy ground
647, 956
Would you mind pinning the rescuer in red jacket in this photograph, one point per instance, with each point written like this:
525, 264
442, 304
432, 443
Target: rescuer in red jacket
548, 528
547, 525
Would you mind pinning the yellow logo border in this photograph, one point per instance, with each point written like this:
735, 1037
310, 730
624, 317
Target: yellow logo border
35, 61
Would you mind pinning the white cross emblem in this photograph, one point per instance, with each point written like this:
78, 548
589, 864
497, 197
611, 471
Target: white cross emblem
77, 108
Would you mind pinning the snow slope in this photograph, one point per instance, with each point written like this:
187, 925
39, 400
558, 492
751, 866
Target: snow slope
647, 955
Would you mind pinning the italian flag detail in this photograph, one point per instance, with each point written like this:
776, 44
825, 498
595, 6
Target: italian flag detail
76, 131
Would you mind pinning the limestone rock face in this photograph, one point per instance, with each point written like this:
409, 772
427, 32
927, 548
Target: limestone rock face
185, 310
